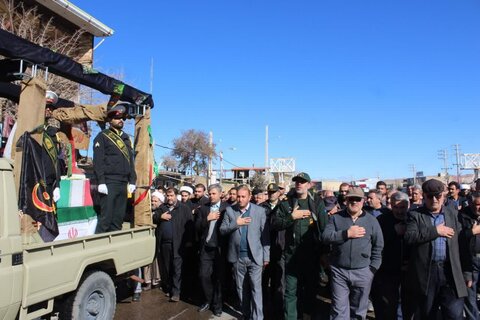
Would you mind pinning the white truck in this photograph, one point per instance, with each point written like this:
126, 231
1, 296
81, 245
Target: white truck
75, 277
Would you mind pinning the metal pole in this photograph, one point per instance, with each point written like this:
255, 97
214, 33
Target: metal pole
267, 174
221, 167
210, 160
457, 156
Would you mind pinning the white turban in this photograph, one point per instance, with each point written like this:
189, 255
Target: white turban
158, 195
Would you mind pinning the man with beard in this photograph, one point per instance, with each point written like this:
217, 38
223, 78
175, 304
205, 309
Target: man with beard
208, 219
114, 168
186, 194
342, 192
303, 217
172, 219
199, 198
232, 197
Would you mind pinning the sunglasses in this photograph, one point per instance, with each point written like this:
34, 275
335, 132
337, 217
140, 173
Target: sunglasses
354, 199
120, 116
437, 196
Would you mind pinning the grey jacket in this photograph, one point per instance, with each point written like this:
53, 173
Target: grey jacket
354, 253
258, 235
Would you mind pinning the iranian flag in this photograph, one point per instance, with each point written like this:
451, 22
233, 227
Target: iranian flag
75, 214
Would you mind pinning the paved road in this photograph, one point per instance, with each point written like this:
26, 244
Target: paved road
154, 305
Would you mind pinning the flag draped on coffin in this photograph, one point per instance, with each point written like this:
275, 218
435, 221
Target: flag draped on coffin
34, 199
76, 216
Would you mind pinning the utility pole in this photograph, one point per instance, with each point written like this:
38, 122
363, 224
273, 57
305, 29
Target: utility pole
267, 173
457, 156
210, 160
443, 155
221, 167
414, 171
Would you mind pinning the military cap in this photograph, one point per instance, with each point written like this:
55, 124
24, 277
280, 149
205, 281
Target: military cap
433, 187
116, 111
302, 176
272, 187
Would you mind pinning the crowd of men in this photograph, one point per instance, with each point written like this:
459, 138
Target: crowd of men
412, 254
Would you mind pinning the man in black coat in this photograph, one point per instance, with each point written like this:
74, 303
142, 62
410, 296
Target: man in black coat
208, 219
173, 222
435, 267
389, 280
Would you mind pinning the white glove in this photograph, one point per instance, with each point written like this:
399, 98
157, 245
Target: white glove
102, 188
56, 194
131, 188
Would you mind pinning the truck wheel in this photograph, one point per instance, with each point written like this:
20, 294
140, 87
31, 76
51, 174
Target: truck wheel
95, 298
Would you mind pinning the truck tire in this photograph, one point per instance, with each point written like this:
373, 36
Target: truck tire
95, 298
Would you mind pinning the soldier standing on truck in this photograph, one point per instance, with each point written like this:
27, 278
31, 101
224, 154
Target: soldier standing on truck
50, 152
113, 164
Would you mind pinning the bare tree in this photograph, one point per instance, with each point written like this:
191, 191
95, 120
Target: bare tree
192, 150
28, 23
258, 181
169, 162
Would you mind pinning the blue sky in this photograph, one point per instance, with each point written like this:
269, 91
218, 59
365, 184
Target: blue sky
348, 88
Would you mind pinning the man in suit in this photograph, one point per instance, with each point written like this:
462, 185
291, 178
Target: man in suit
211, 247
248, 249
435, 268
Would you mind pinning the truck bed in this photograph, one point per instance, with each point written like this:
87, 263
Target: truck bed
55, 268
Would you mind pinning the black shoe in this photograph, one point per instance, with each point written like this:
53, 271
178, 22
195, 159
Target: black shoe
217, 313
136, 297
204, 307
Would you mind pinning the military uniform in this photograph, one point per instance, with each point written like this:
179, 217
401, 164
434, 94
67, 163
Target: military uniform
51, 163
302, 250
113, 164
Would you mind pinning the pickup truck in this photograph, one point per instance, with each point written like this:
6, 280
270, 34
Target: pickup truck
76, 277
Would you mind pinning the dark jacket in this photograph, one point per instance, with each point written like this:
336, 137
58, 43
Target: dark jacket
395, 251
277, 238
354, 253
303, 234
202, 226
467, 238
197, 203
109, 163
182, 225
419, 235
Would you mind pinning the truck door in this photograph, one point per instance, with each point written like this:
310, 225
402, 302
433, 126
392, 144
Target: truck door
11, 259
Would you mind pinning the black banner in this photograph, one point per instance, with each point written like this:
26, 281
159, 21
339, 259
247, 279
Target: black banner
15, 47
35, 198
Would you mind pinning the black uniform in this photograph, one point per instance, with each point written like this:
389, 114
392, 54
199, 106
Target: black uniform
113, 163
